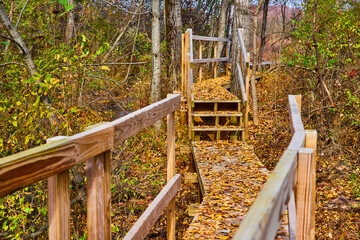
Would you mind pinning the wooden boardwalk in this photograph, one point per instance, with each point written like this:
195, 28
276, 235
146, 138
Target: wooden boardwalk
230, 177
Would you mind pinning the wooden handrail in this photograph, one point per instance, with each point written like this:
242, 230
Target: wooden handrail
242, 84
264, 217
143, 225
207, 60
27, 167
214, 39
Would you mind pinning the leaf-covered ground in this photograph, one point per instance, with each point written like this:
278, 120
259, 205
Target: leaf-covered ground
232, 177
338, 170
211, 89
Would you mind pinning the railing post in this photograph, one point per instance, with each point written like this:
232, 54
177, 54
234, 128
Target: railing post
200, 57
227, 63
215, 56
183, 86
247, 80
59, 202
171, 173
303, 194
311, 142
98, 172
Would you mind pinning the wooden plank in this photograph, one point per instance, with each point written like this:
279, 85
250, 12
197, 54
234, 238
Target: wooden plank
200, 57
215, 65
311, 142
170, 213
183, 64
219, 114
203, 38
207, 60
227, 63
295, 117
242, 84
216, 101
303, 194
217, 129
98, 197
133, 123
155, 209
186, 149
292, 216
247, 84
191, 178
242, 43
59, 202
191, 50
22, 169
189, 87
263, 219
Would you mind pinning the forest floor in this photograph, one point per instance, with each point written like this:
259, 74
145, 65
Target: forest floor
337, 184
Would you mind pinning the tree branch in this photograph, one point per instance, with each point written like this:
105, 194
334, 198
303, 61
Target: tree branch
12, 63
13, 40
21, 13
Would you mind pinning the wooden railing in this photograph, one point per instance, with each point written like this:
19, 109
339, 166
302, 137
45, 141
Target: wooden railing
188, 62
290, 186
54, 160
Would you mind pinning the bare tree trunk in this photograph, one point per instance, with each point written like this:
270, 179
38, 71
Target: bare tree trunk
16, 38
324, 89
255, 62
173, 31
156, 54
117, 41
263, 30
241, 19
70, 22
221, 30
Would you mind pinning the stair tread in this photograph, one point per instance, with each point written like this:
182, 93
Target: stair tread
217, 128
218, 113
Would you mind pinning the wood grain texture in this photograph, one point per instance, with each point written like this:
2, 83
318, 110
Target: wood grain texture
303, 194
240, 33
204, 38
98, 199
191, 50
207, 60
242, 84
292, 216
295, 117
59, 202
143, 225
24, 168
263, 219
215, 57
170, 215
200, 57
311, 142
133, 123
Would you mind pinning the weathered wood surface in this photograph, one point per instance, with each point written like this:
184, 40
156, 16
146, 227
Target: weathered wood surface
264, 216
240, 32
231, 176
59, 202
98, 172
143, 225
241, 84
27, 167
204, 38
303, 194
207, 60
170, 218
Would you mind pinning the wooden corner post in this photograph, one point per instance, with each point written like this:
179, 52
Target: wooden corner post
59, 202
311, 142
303, 194
170, 173
98, 172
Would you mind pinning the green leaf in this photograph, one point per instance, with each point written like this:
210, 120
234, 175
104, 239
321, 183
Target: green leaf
15, 123
69, 7
4, 226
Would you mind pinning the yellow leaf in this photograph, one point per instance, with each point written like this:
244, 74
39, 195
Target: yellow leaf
105, 68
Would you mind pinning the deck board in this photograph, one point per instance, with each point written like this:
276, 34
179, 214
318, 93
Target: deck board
232, 176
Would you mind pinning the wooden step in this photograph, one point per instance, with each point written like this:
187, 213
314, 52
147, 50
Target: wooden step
216, 106
217, 114
191, 178
193, 209
217, 128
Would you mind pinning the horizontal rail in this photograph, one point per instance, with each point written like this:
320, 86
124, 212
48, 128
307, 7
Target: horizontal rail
143, 225
203, 38
206, 60
264, 217
242, 84
27, 167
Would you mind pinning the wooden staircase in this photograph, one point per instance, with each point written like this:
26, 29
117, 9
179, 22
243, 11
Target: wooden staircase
217, 120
